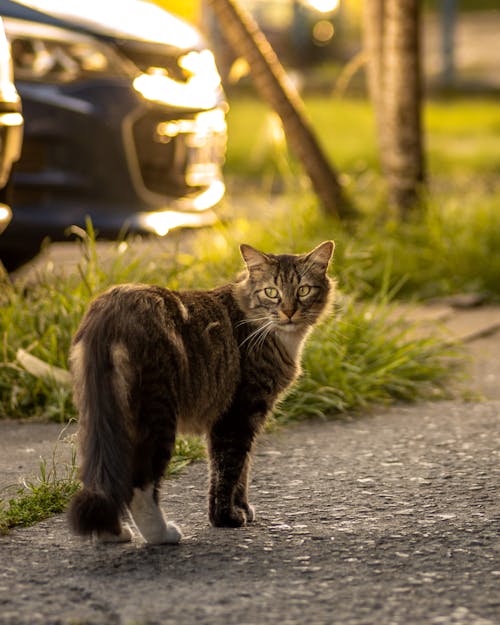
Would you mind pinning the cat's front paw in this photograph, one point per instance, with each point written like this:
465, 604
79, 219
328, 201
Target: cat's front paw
233, 517
248, 511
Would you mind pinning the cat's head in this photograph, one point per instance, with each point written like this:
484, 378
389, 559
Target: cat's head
289, 292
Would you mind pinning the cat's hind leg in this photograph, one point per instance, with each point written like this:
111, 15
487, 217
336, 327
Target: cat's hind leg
152, 453
149, 518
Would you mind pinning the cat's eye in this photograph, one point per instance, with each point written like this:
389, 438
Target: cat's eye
304, 290
271, 292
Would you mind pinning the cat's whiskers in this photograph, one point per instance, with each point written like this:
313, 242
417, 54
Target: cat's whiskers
258, 335
255, 332
250, 336
251, 320
261, 338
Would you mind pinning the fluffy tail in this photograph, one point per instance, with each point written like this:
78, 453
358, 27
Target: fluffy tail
102, 380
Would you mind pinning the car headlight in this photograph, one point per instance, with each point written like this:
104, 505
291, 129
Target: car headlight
200, 90
8, 92
51, 54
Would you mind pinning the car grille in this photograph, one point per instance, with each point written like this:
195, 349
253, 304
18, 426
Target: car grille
35, 155
162, 163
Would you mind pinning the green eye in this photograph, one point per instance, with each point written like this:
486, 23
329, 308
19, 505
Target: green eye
303, 290
271, 292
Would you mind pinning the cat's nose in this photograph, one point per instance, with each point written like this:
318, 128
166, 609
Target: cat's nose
287, 314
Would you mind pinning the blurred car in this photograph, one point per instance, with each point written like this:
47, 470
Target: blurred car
11, 127
124, 121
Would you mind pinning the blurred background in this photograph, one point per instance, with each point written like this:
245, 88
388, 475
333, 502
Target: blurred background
140, 117
319, 37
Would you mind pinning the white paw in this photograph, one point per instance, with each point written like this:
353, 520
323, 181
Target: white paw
173, 535
169, 534
150, 521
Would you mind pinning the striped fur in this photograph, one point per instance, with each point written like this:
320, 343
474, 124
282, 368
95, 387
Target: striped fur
148, 362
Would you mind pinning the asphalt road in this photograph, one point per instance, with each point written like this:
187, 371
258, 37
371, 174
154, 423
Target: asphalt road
388, 518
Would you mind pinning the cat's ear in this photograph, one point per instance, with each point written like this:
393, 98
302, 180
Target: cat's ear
322, 254
252, 257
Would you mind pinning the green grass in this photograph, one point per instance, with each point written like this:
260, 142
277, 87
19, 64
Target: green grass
462, 140
461, 137
345, 130
35, 503
40, 497
187, 450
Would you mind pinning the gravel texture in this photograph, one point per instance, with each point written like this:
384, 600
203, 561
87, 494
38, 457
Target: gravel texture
388, 518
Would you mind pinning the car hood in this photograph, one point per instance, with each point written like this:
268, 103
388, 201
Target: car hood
135, 20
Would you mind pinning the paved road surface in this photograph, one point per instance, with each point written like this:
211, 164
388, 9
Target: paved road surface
389, 518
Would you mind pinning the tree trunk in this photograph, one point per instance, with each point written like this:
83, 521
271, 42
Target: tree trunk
392, 38
248, 41
373, 36
402, 103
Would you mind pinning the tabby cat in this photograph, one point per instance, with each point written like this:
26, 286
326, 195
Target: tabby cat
148, 362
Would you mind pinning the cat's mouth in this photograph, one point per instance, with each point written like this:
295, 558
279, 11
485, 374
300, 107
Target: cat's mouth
287, 326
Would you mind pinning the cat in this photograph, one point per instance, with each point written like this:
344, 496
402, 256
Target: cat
148, 362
